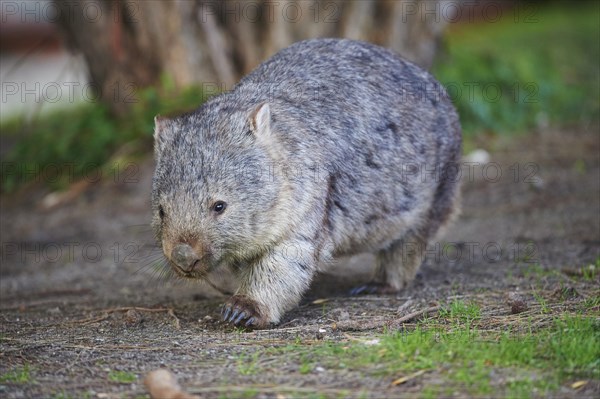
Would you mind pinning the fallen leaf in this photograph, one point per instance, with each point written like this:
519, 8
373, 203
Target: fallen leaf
162, 384
407, 378
320, 301
578, 384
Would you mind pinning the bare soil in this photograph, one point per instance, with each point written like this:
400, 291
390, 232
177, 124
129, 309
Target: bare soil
71, 277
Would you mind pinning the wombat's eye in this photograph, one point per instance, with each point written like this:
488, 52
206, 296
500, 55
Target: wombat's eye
219, 206
161, 212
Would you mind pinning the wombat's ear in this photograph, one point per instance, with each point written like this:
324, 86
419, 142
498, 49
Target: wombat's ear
161, 124
260, 121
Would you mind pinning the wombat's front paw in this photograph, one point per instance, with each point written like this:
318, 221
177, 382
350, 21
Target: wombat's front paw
373, 288
241, 310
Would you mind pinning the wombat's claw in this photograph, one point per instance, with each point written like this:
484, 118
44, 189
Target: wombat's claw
372, 288
239, 309
239, 318
225, 312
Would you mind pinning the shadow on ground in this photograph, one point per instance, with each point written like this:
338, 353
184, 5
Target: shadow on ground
71, 276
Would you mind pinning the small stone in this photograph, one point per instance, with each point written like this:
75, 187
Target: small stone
133, 317
479, 157
517, 303
518, 307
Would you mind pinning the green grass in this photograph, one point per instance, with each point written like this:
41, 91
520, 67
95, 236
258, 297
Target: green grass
85, 142
458, 310
591, 302
19, 375
543, 302
507, 77
248, 364
538, 273
530, 361
504, 77
122, 377
247, 394
61, 395
64, 395
590, 272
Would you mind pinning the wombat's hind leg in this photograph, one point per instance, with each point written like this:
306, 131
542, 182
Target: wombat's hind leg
396, 266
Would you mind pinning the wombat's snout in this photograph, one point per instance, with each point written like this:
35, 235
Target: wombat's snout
184, 257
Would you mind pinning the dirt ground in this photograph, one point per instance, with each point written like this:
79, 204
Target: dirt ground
70, 276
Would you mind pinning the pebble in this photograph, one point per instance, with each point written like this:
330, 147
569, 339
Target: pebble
517, 303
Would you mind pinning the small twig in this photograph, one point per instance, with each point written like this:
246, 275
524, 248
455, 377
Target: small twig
409, 377
171, 313
350, 337
126, 308
107, 312
405, 306
367, 298
286, 324
90, 321
416, 314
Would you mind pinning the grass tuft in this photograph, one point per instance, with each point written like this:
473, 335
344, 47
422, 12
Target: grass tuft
470, 359
19, 375
122, 377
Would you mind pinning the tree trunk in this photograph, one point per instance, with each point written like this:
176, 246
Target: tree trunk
130, 44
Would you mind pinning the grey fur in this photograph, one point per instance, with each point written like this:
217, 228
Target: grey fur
331, 147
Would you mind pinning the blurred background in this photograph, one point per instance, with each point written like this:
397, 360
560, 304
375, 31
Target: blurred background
80, 84
81, 80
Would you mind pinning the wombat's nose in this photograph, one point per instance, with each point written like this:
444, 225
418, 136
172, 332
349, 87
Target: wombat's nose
184, 256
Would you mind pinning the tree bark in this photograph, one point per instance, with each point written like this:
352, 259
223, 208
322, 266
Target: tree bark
131, 43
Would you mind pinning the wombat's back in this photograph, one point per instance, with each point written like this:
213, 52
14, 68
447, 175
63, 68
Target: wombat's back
346, 88
382, 130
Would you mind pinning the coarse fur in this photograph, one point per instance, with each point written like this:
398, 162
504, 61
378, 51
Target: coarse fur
331, 147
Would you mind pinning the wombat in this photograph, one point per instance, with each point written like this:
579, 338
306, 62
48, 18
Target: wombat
331, 147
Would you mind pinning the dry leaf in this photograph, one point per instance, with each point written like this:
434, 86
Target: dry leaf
407, 378
578, 384
320, 301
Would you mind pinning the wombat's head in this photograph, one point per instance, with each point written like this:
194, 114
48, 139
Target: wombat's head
213, 197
